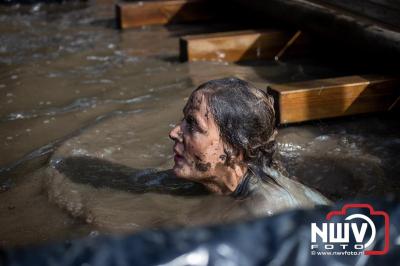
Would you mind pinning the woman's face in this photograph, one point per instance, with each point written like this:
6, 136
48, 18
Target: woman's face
199, 149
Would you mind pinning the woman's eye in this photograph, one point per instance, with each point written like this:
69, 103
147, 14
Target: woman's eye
190, 124
192, 128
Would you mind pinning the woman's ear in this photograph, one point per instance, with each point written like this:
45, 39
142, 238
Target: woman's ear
232, 156
238, 164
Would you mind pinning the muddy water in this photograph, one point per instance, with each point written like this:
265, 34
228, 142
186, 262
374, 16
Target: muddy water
84, 107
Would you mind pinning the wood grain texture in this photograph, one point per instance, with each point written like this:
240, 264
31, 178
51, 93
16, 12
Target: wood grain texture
334, 97
238, 45
136, 14
393, 4
317, 17
383, 12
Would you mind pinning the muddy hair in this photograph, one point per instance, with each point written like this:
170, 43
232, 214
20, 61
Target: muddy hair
245, 116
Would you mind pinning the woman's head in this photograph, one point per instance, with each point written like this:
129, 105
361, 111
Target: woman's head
228, 128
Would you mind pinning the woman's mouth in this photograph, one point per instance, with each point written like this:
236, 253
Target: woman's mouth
178, 157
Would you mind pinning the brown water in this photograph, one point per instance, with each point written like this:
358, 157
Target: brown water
72, 86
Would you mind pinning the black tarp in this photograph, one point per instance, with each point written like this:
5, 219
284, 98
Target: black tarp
283, 239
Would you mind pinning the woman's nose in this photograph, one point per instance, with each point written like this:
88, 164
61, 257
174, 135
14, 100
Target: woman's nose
176, 133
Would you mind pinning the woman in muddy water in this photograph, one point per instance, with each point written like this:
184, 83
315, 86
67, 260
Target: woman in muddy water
224, 169
226, 142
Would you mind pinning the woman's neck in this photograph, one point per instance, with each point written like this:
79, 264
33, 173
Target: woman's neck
227, 182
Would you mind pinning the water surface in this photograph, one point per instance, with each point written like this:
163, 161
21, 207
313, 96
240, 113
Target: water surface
75, 90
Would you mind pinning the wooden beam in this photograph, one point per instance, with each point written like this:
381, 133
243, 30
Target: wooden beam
334, 97
238, 45
387, 14
141, 13
315, 16
394, 4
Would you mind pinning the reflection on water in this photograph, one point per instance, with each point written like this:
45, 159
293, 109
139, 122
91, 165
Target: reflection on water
72, 86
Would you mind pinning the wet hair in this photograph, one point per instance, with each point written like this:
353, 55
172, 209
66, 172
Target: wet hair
245, 116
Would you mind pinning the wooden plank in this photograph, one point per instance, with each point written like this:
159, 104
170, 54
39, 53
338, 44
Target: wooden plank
239, 45
334, 97
393, 4
136, 14
315, 16
385, 14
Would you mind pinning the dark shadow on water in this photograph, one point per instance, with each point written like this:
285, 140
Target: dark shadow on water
174, 59
104, 174
109, 23
370, 168
336, 179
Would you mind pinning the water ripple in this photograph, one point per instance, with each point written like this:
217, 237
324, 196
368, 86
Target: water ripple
79, 104
51, 146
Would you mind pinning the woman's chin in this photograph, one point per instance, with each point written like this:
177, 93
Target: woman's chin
180, 172
177, 171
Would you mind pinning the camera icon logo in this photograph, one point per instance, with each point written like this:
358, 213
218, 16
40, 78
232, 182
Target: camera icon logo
350, 231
